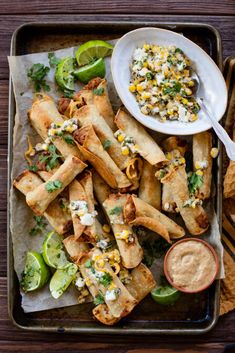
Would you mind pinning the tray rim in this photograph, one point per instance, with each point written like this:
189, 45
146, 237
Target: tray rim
11, 116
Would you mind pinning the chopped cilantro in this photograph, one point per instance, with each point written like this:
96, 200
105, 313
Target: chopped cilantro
149, 76
37, 74
116, 210
107, 144
53, 185
172, 91
51, 158
178, 50
68, 139
99, 299
194, 182
33, 168
53, 60
154, 249
98, 91
106, 279
39, 227
68, 94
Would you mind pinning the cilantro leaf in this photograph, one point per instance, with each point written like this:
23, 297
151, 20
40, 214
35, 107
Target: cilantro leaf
68, 94
50, 158
107, 144
39, 227
37, 74
194, 182
106, 279
53, 185
172, 91
178, 50
53, 60
99, 299
68, 139
116, 210
33, 168
98, 91
88, 264
153, 250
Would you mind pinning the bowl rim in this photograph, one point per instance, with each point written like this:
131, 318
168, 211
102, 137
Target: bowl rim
212, 250
148, 124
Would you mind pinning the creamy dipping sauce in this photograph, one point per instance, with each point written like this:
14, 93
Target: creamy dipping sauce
191, 265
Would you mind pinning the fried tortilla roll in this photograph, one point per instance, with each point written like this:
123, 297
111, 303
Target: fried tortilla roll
93, 151
127, 241
101, 188
202, 162
150, 186
96, 92
75, 248
77, 195
140, 285
58, 218
138, 212
119, 301
194, 216
42, 114
147, 147
171, 145
89, 114
40, 198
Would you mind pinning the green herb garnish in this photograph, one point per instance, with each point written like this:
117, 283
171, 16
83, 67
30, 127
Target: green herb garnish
116, 210
106, 279
33, 168
98, 91
194, 182
178, 50
68, 94
149, 76
107, 144
88, 264
50, 159
153, 250
39, 227
172, 91
52, 186
53, 60
68, 139
37, 74
99, 299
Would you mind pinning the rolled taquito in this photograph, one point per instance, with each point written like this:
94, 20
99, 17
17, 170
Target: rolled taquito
89, 114
150, 186
140, 285
76, 249
147, 147
127, 241
42, 114
40, 198
195, 218
101, 188
93, 151
58, 218
138, 212
77, 194
124, 301
202, 160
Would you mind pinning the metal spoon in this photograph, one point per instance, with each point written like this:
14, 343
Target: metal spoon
219, 130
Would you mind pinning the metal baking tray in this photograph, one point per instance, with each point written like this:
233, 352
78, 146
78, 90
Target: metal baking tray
192, 314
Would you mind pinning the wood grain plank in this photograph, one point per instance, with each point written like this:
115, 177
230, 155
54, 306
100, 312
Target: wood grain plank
3, 177
119, 6
225, 24
3, 111
3, 243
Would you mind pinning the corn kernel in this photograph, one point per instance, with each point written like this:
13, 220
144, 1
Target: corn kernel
197, 165
146, 46
139, 88
112, 286
188, 91
182, 160
132, 88
186, 73
169, 155
146, 95
214, 152
194, 117
125, 151
199, 172
170, 112
191, 83
144, 110
185, 101
154, 82
145, 64
106, 228
121, 137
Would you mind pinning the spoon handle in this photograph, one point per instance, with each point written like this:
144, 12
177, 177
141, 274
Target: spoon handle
220, 132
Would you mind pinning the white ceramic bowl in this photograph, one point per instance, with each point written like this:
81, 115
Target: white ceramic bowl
212, 88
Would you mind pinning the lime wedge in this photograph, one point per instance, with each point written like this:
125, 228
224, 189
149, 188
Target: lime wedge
53, 253
94, 49
35, 273
63, 74
165, 295
87, 72
62, 279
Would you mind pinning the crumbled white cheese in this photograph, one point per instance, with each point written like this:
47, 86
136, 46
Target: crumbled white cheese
80, 283
111, 295
88, 218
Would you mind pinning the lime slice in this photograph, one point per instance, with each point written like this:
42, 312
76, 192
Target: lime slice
94, 49
53, 253
62, 279
165, 295
87, 72
35, 273
63, 73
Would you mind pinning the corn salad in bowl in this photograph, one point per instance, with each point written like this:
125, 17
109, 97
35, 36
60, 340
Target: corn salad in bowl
161, 82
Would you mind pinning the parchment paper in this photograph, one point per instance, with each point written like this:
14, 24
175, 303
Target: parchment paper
21, 215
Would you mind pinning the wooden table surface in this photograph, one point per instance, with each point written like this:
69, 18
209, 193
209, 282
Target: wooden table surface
13, 13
